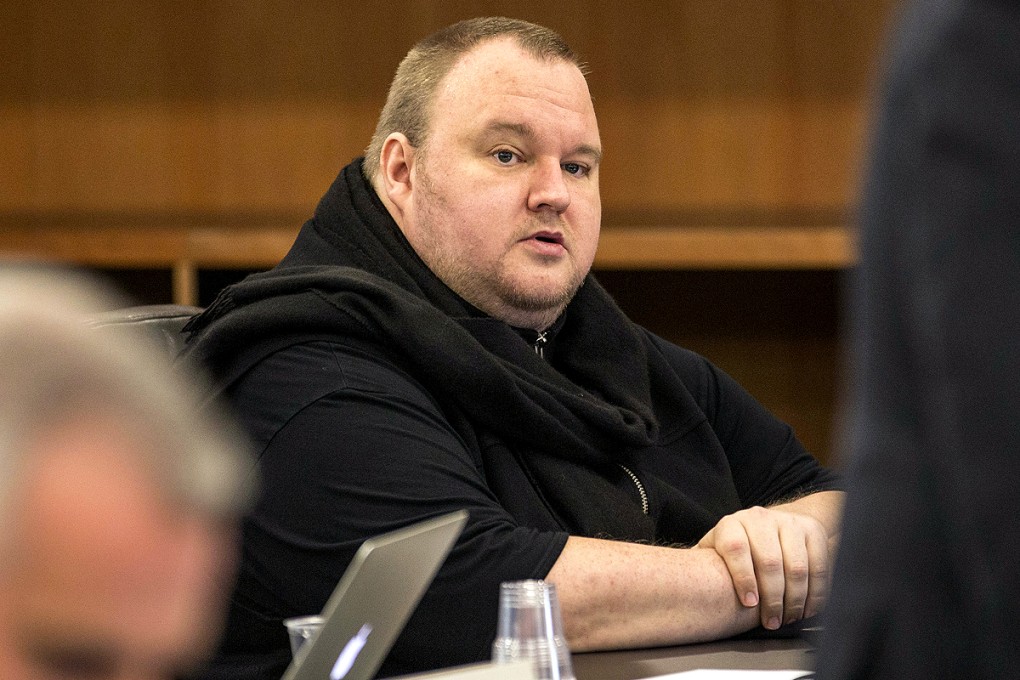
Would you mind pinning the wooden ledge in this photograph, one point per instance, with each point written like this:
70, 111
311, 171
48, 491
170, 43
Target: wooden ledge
186, 248
726, 247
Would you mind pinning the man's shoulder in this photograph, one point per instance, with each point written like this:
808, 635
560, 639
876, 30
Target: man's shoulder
315, 366
315, 372
687, 363
708, 384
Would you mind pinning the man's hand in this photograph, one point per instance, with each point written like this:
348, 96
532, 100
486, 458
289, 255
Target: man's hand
777, 558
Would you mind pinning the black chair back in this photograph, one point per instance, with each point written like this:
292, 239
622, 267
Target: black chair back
162, 323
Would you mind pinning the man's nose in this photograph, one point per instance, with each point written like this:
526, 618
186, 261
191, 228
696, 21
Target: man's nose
549, 190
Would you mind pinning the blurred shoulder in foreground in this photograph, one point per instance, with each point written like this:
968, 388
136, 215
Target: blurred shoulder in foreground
928, 578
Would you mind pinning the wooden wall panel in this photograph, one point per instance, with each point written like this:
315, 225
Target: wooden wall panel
16, 153
736, 105
727, 107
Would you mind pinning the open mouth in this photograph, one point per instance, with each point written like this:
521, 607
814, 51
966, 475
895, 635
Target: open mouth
549, 238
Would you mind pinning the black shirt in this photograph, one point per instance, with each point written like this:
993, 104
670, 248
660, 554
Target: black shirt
352, 445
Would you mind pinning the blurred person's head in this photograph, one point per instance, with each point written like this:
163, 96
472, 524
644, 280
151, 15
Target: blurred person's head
118, 498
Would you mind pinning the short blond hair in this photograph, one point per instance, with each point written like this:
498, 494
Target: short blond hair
408, 108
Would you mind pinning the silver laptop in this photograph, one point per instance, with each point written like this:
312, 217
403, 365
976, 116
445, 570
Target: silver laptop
373, 600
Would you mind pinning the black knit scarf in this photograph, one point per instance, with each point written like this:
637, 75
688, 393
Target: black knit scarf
351, 273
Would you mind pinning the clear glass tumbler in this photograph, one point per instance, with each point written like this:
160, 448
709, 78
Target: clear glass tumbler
530, 627
301, 630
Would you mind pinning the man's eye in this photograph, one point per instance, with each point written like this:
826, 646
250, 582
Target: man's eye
505, 157
575, 169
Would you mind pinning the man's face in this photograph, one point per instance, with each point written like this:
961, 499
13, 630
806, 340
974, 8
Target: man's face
505, 201
103, 579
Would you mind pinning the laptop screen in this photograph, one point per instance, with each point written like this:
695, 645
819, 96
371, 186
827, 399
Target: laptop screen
377, 593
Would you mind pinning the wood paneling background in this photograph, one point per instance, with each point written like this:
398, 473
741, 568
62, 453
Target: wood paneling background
715, 115
712, 111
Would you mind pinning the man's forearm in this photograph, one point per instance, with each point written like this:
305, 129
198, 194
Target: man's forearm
618, 595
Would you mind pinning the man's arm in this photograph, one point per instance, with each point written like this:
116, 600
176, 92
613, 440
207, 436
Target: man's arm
617, 595
779, 555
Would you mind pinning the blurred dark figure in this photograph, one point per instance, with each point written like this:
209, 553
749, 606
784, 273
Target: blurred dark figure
928, 581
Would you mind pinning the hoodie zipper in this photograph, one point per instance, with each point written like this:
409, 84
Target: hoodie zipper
539, 344
640, 488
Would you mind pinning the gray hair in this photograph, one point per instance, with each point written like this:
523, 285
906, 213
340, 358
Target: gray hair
408, 106
54, 369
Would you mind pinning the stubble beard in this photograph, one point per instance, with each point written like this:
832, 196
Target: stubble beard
491, 287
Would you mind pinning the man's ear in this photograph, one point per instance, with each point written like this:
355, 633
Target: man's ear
396, 165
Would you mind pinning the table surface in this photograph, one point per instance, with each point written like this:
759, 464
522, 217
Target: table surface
759, 654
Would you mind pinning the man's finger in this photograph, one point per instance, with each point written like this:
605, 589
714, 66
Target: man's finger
769, 569
819, 573
730, 541
797, 562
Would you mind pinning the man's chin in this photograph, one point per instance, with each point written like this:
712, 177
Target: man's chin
543, 294
539, 308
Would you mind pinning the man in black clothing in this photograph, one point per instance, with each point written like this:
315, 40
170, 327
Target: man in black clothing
435, 340
928, 578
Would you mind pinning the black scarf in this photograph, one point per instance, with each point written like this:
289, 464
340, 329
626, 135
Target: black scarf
352, 273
